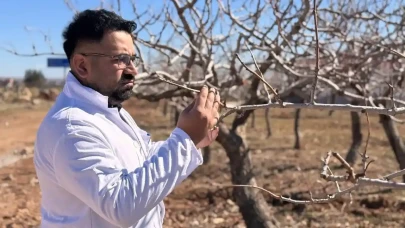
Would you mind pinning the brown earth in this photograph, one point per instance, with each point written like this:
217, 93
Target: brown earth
196, 203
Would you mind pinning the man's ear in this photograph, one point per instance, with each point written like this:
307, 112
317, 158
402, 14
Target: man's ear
80, 65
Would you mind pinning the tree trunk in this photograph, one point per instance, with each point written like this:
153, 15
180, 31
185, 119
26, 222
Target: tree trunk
267, 118
206, 155
357, 138
332, 100
395, 140
252, 205
252, 124
297, 144
176, 116
165, 107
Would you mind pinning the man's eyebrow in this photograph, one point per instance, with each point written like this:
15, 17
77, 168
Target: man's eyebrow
134, 54
121, 52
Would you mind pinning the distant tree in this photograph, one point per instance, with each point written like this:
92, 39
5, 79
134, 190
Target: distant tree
34, 78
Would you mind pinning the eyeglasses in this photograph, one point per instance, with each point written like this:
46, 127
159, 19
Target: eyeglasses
124, 60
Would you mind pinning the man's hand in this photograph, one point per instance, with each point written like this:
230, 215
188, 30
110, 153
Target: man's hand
200, 117
209, 138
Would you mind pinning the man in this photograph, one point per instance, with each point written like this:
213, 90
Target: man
95, 166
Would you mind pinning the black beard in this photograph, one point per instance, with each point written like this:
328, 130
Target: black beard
122, 94
119, 96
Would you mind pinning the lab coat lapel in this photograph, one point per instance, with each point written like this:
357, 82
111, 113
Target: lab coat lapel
125, 115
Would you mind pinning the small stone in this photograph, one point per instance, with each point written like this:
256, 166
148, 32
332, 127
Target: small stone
218, 220
234, 209
9, 177
230, 202
25, 151
36, 101
181, 218
34, 181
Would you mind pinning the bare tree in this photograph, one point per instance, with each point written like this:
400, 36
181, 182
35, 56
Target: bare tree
357, 137
298, 51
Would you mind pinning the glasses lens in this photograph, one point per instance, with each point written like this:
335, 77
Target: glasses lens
125, 60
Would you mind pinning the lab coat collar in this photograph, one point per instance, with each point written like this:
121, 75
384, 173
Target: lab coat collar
74, 89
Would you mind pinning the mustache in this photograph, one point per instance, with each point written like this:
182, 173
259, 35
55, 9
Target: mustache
127, 77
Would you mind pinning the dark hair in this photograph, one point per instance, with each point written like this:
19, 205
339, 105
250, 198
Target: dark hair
91, 25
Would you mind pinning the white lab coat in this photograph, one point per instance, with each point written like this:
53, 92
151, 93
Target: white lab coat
96, 170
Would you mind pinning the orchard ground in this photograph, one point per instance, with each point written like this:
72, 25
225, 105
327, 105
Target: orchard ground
196, 203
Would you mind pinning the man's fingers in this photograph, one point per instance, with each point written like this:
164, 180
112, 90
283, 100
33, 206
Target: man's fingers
214, 121
210, 99
213, 134
202, 98
216, 103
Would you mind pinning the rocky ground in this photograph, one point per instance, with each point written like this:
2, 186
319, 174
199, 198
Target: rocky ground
196, 202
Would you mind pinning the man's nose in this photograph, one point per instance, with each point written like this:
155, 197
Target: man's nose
131, 69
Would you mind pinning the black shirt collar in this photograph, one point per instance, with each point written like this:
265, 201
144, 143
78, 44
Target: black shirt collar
118, 106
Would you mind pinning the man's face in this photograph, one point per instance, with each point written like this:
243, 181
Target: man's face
109, 76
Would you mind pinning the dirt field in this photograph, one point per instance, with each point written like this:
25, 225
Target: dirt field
195, 203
